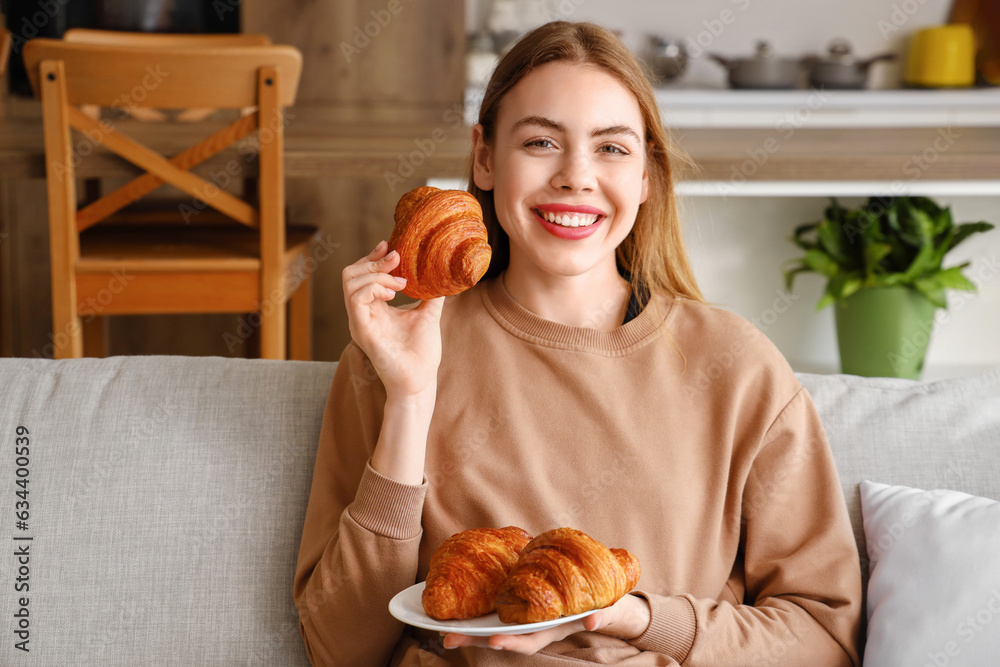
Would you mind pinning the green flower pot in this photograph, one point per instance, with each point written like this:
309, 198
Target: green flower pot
884, 332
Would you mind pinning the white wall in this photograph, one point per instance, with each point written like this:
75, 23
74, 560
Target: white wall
738, 245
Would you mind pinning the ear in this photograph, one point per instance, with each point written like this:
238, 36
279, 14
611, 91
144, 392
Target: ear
482, 164
645, 187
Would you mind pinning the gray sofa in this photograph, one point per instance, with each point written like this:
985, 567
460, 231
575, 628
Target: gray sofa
165, 495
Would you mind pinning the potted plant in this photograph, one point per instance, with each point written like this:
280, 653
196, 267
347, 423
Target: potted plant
882, 261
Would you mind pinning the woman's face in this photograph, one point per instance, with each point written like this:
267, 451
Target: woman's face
567, 168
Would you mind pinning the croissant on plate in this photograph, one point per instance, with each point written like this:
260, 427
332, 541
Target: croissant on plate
442, 242
564, 572
466, 571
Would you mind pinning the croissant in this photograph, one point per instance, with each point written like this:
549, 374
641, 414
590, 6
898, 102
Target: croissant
564, 572
442, 242
466, 571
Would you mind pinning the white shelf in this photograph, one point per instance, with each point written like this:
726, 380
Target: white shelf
701, 107
783, 109
727, 189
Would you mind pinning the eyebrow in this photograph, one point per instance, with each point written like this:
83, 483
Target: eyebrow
542, 121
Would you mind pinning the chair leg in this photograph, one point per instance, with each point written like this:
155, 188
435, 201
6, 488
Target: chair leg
95, 338
67, 327
300, 322
273, 330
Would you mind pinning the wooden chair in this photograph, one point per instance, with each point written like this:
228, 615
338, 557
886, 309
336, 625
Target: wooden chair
254, 265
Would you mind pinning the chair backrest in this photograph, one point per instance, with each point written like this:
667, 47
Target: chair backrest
177, 40
65, 75
119, 38
4, 46
164, 77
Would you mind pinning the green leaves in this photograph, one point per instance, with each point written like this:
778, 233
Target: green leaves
820, 262
887, 241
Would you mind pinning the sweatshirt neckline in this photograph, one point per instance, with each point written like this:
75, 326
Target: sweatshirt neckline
527, 325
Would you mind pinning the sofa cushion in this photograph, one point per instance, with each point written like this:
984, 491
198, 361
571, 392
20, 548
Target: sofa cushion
934, 590
165, 501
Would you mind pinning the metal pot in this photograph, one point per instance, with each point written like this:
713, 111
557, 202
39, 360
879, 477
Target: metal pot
762, 70
840, 69
667, 58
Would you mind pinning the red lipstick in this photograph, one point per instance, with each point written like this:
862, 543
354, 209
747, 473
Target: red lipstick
570, 233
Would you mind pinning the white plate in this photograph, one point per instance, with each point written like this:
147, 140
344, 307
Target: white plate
408, 607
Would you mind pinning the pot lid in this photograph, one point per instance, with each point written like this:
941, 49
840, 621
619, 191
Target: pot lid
839, 51
763, 50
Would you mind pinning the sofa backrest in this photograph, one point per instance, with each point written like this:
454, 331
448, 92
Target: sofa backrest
928, 435
165, 494
165, 502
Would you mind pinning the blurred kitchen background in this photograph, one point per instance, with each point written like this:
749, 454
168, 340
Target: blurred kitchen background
400, 64
738, 242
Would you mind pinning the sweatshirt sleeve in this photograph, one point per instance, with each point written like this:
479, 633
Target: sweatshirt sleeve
802, 602
361, 532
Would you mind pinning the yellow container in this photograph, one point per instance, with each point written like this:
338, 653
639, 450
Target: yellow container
942, 56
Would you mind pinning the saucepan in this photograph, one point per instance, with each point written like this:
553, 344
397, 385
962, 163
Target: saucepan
762, 70
840, 69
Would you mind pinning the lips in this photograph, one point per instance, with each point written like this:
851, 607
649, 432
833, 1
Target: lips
569, 231
570, 216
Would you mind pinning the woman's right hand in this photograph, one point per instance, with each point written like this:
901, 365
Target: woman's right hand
403, 345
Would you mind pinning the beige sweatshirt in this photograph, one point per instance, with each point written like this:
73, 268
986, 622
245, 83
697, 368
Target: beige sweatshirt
683, 436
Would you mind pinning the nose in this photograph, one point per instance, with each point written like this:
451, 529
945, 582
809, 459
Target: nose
575, 173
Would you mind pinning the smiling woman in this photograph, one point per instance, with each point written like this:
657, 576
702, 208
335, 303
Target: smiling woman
595, 83
583, 383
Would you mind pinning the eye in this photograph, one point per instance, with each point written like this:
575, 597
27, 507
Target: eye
538, 143
613, 149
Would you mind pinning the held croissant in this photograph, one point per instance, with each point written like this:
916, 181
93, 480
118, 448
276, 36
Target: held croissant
467, 570
442, 242
564, 572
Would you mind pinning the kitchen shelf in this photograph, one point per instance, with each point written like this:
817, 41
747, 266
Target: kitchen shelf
682, 107
978, 107
726, 189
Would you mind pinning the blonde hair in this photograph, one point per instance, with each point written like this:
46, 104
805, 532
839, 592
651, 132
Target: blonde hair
653, 253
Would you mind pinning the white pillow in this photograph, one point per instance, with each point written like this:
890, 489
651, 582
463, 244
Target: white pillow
934, 591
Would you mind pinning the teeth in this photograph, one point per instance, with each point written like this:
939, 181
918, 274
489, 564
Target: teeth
570, 219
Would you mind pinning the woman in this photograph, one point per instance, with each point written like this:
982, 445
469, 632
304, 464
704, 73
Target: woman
585, 383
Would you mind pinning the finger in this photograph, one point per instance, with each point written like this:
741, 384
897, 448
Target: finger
454, 640
377, 260
389, 281
594, 622
367, 294
433, 307
535, 641
378, 251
